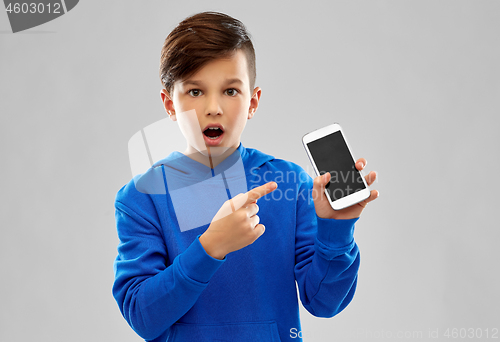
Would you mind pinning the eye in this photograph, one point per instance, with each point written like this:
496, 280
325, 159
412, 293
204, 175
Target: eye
195, 92
231, 92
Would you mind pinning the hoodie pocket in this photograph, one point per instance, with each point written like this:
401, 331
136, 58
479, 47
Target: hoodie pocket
229, 332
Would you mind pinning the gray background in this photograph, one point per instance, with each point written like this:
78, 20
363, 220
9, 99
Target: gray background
415, 85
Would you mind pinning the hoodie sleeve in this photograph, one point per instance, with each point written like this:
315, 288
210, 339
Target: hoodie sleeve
151, 293
326, 258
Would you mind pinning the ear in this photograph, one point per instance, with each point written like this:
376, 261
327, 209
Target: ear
168, 104
254, 102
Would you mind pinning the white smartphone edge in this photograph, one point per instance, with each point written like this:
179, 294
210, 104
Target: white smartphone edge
348, 200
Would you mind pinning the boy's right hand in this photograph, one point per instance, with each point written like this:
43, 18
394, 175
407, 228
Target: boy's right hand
236, 224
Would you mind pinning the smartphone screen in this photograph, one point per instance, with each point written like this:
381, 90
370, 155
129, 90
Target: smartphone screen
331, 154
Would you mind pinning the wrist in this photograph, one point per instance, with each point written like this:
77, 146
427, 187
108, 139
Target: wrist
210, 248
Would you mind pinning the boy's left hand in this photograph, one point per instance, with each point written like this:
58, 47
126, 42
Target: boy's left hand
323, 207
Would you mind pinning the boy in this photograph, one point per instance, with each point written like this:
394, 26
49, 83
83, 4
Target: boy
195, 266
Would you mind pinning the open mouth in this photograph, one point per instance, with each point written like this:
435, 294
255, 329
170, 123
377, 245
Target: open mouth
213, 132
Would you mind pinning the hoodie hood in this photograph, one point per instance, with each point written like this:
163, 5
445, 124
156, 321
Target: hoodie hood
179, 165
182, 171
250, 158
179, 170
195, 187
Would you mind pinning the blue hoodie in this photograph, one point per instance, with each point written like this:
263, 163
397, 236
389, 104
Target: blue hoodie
169, 289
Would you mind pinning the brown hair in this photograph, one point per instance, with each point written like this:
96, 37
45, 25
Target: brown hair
199, 39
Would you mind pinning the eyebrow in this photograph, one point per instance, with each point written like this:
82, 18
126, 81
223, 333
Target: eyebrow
199, 83
234, 80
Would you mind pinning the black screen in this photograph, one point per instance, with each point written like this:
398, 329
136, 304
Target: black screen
331, 154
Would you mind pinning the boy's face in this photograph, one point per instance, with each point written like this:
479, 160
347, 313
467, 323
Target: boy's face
218, 95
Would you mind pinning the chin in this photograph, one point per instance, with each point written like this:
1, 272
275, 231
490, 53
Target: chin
215, 151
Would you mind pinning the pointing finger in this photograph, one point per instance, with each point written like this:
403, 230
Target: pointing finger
243, 200
258, 192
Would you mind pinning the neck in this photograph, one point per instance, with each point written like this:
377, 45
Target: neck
209, 158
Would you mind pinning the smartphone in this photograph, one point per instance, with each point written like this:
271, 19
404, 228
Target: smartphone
328, 151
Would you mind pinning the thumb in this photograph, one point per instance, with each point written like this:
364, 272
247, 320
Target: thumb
323, 180
319, 185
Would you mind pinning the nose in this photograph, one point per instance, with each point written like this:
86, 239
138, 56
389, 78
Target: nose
213, 105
